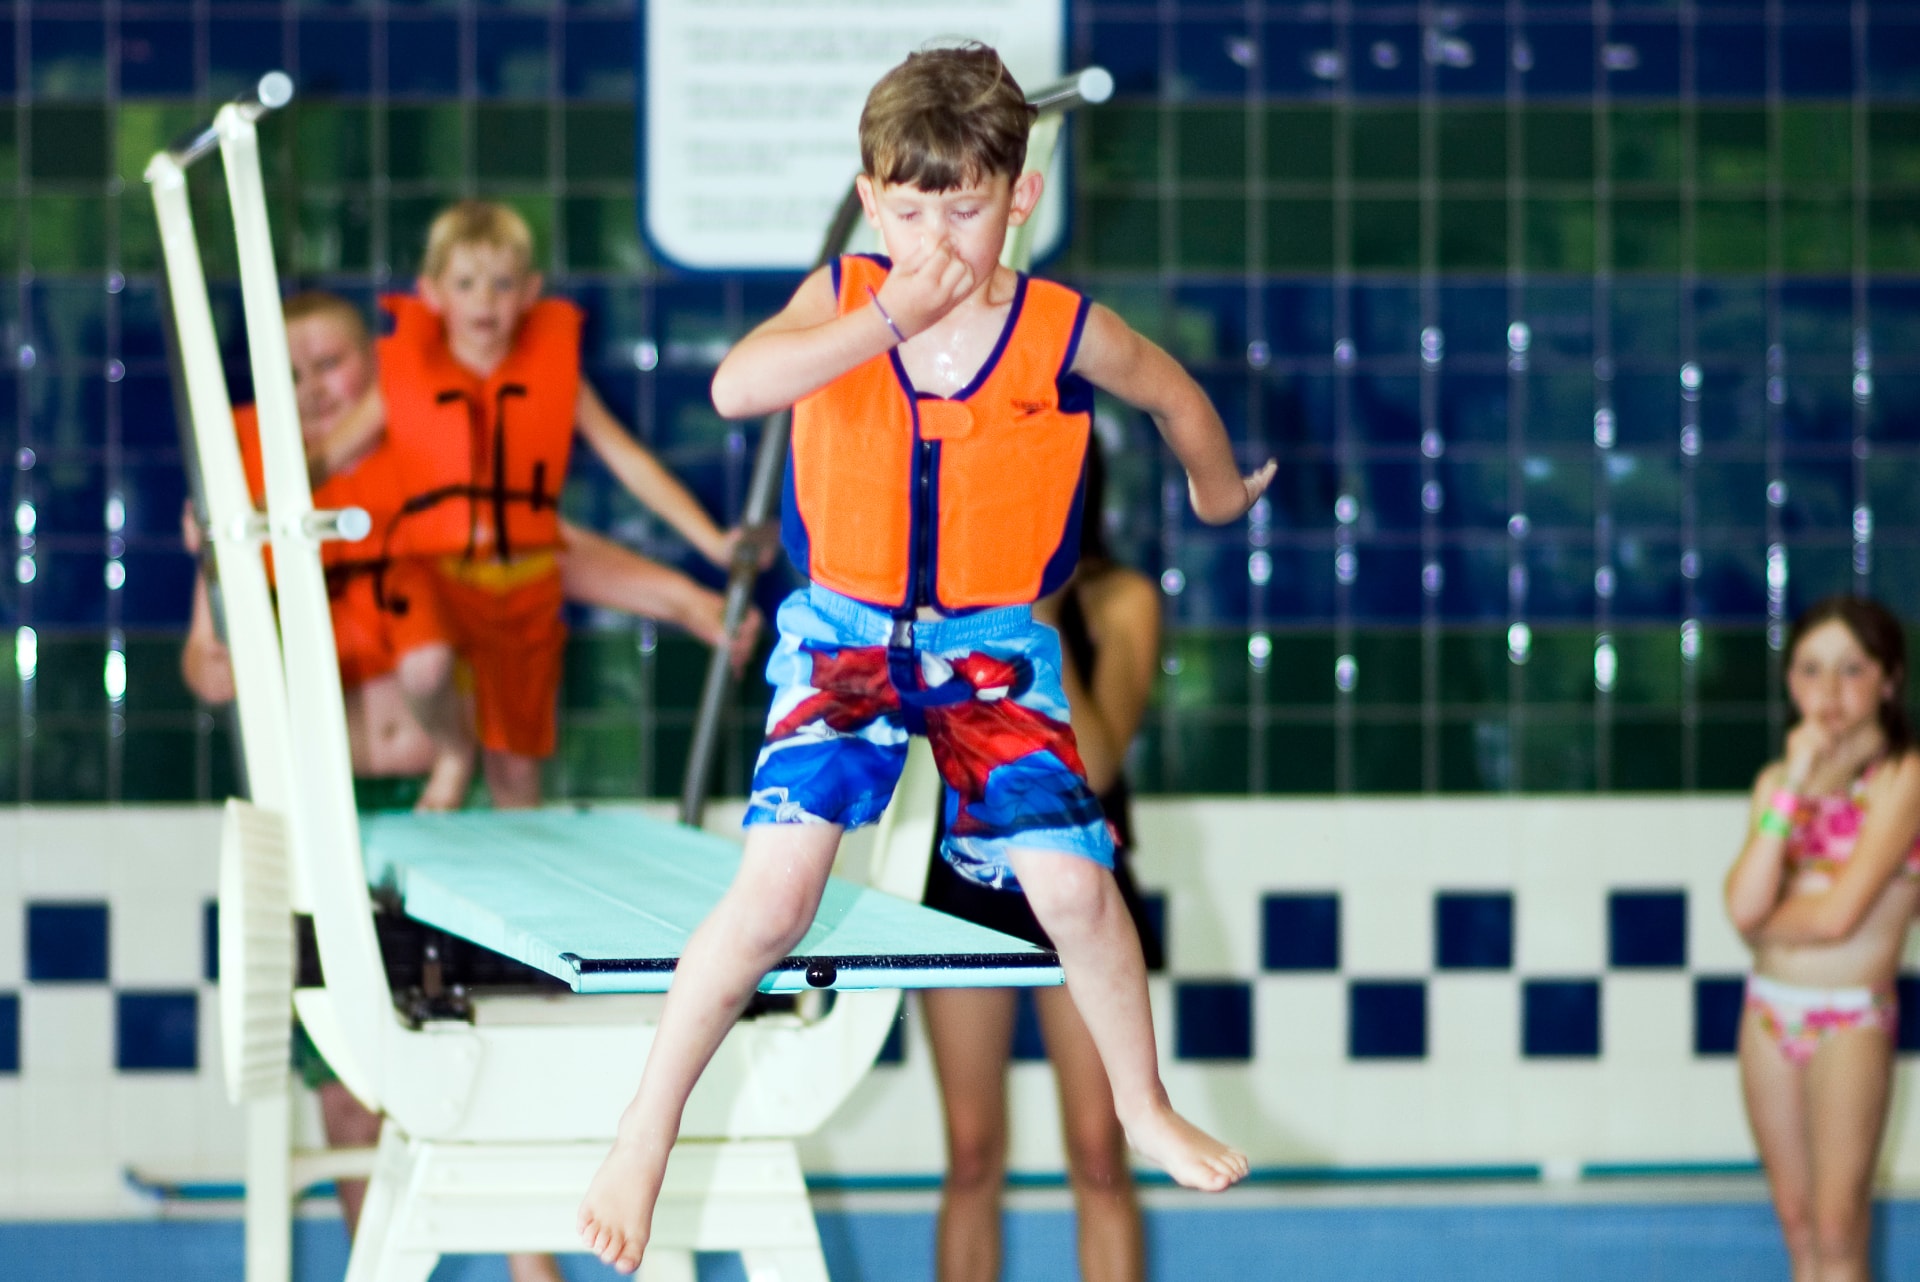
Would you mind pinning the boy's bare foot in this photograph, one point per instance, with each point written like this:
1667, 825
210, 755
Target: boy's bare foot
447, 784
1191, 1156
616, 1216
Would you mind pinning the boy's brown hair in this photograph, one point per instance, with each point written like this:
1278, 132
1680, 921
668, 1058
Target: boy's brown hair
476, 222
945, 118
318, 302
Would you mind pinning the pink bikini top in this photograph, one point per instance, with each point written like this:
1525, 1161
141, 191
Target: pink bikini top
1826, 828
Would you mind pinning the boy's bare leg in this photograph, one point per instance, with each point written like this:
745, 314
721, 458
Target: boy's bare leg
764, 913
426, 676
513, 780
1080, 906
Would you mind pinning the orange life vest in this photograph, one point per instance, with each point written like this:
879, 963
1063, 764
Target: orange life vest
373, 484
484, 458
900, 498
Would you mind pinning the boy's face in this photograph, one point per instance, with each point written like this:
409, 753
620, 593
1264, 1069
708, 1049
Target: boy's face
481, 294
332, 370
971, 220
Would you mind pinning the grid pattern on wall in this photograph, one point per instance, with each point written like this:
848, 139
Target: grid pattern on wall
1588, 338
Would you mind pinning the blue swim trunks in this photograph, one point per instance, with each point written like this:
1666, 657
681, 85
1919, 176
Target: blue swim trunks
851, 683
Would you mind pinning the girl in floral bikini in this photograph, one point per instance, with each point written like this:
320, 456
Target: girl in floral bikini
1823, 891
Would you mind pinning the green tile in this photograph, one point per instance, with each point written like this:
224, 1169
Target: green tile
1213, 671
1122, 144
9, 237
1646, 234
1650, 669
1300, 235
1386, 235
1645, 755
335, 233
1731, 236
159, 764
372, 796
1559, 667
1893, 234
334, 144
599, 757
510, 143
537, 210
600, 144
1207, 755
1194, 336
425, 144
69, 143
1213, 234
1733, 666
604, 670
1473, 145
1646, 145
1816, 236
679, 672
9, 147
1559, 483
69, 760
1560, 236
1121, 232
1212, 144
1559, 145
603, 235
408, 218
1474, 667
67, 233
1299, 144
1387, 756
1300, 757
142, 128
1731, 147
664, 766
1556, 755
1816, 147
1300, 670
1473, 235
1730, 751
1389, 665
1386, 144
69, 675
1476, 755
1893, 146
154, 684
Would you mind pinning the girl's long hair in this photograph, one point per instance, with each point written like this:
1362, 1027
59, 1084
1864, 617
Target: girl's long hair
1881, 636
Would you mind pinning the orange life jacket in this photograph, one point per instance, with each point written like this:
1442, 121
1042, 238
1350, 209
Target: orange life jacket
484, 458
373, 484
899, 498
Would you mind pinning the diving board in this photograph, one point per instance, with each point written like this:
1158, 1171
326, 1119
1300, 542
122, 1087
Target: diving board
605, 901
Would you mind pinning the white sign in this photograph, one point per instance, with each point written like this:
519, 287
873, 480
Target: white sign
752, 112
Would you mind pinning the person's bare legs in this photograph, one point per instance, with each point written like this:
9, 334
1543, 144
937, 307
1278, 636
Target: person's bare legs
1847, 1084
1079, 905
513, 781
426, 678
1112, 1244
1775, 1093
383, 738
971, 1032
764, 913
348, 1124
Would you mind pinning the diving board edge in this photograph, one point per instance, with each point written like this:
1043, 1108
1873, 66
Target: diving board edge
844, 974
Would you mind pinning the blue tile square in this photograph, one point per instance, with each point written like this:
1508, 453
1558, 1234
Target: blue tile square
894, 1049
1300, 932
1908, 987
1560, 1017
1647, 929
1561, 58
1386, 59
423, 54
67, 943
1473, 930
1730, 60
1386, 1019
1153, 907
210, 940
9, 1032
1718, 1001
599, 58
1131, 52
156, 56
1213, 1020
1294, 58
157, 1032
1816, 58
1028, 1044
510, 57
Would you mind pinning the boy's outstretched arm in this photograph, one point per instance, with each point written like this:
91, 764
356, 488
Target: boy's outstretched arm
1116, 359
648, 480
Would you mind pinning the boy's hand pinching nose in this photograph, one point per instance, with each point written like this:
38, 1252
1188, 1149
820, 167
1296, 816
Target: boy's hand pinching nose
925, 287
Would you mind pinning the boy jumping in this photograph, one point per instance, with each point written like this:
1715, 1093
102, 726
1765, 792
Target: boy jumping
942, 407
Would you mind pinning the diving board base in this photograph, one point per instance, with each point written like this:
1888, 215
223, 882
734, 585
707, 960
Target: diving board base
429, 1199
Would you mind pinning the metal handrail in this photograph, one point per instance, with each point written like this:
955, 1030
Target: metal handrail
1083, 88
270, 93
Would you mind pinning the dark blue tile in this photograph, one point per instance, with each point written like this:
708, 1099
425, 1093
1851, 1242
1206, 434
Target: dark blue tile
1893, 312
1908, 987
6, 59
1386, 408
1652, 68
1732, 583
157, 1032
1299, 411
1560, 1017
70, 588
1730, 60
156, 57
1388, 586
1216, 316
1473, 60
1301, 588
1213, 1020
1646, 321
1029, 1045
1214, 58
1816, 59
1300, 932
158, 590
72, 498
241, 50
1646, 408
1893, 57
1648, 579
1153, 906
1386, 59
1297, 59
1473, 930
1390, 500
1474, 319
1560, 579
336, 55
1475, 493
147, 422
1474, 583
1718, 1001
510, 57
599, 58
69, 57
1819, 496
1300, 319
1386, 320
894, 1049
210, 940
1386, 1019
1730, 320
67, 943
1647, 929
423, 55
1561, 57
1131, 52
9, 1033
153, 493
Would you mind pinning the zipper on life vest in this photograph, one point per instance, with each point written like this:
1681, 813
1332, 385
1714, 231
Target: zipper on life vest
924, 459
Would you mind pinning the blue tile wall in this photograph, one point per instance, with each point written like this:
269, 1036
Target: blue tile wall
157, 1032
1560, 1018
1718, 1002
1473, 931
1300, 932
1213, 1020
1029, 1043
67, 943
894, 1049
1386, 1019
1909, 991
210, 941
9, 1033
1646, 929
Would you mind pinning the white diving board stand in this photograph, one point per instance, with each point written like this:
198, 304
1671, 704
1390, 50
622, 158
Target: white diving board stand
605, 901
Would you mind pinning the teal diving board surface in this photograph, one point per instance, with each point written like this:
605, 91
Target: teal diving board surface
606, 900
